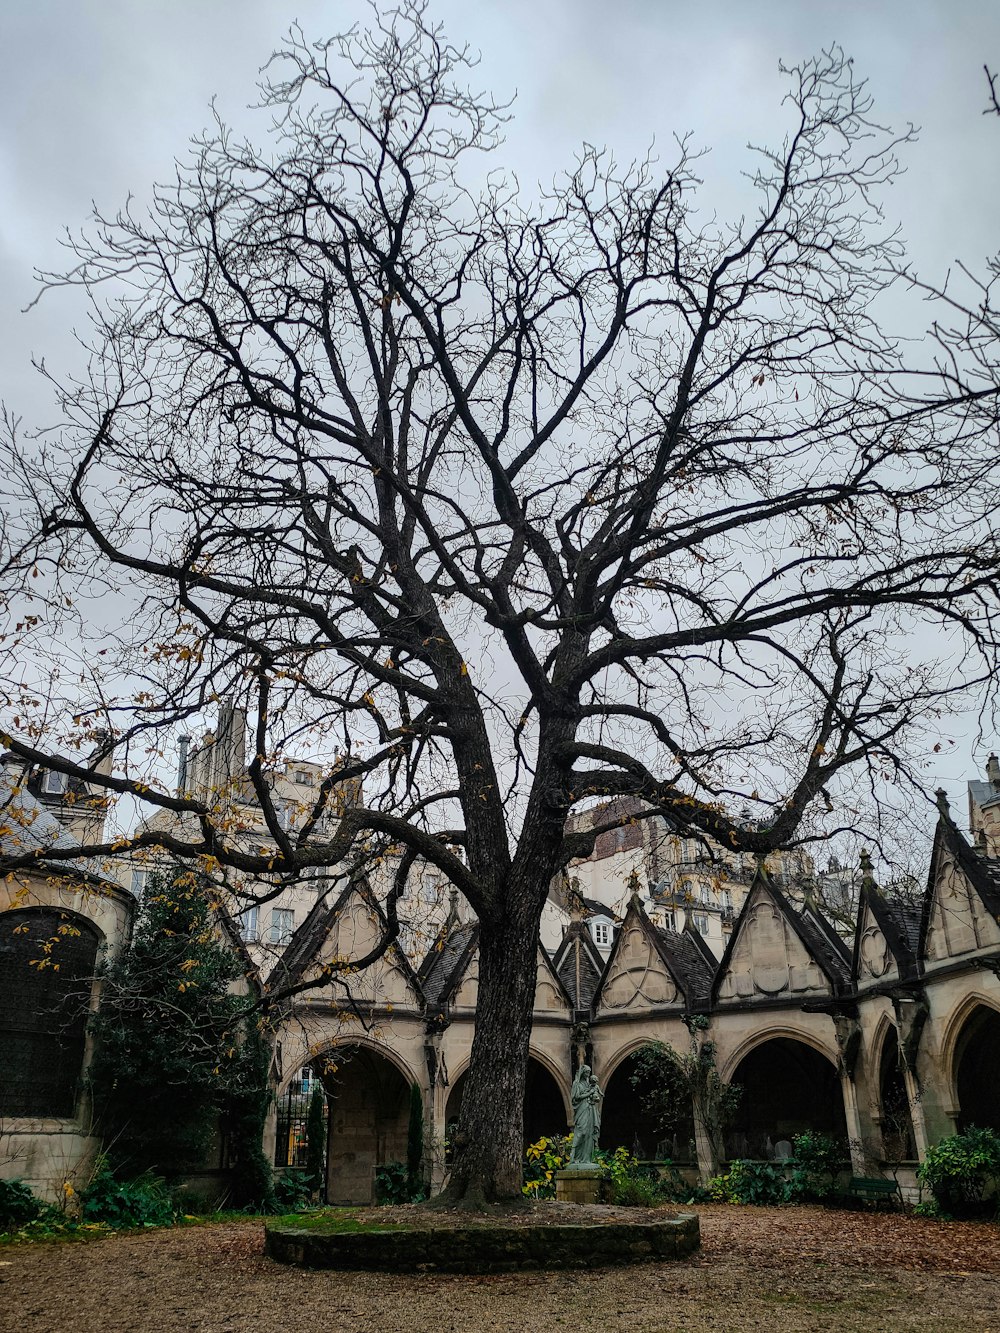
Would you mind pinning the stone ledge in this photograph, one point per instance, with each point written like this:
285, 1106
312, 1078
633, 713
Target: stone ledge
487, 1249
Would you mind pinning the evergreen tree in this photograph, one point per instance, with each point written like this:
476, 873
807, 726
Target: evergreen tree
176, 1062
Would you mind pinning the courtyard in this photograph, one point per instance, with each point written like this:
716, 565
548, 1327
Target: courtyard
792, 1268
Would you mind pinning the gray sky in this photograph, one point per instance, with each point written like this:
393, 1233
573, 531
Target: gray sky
98, 96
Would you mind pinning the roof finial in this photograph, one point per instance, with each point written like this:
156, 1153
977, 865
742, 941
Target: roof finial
632, 883
451, 920
944, 808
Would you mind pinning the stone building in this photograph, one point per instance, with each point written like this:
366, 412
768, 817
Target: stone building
890, 1044
891, 1041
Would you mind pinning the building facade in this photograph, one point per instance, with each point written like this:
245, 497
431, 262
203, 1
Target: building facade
889, 1040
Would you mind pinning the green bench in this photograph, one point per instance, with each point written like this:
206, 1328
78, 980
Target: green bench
874, 1189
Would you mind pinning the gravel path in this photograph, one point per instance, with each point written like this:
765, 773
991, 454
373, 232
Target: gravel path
801, 1269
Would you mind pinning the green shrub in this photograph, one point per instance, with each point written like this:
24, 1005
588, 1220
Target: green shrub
930, 1208
815, 1162
142, 1202
393, 1185
17, 1205
178, 1058
749, 1182
633, 1183
960, 1169
292, 1190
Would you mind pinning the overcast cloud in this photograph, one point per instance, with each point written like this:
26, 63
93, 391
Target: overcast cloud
97, 97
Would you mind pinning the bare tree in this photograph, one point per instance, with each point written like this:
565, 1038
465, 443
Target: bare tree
519, 501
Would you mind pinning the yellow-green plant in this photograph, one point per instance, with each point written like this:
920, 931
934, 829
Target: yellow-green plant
541, 1162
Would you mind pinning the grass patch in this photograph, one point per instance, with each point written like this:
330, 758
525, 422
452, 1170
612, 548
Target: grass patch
330, 1222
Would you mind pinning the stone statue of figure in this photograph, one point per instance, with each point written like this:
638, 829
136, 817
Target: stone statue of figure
586, 1096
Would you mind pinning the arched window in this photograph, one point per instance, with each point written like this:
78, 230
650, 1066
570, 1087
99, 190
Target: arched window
47, 961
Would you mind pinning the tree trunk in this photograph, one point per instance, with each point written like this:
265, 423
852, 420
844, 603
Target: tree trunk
489, 1145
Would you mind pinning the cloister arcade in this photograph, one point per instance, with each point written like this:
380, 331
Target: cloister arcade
889, 1048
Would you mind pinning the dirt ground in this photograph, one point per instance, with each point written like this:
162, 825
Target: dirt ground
802, 1269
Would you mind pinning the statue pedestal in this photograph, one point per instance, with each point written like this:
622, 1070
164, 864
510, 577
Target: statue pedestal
579, 1184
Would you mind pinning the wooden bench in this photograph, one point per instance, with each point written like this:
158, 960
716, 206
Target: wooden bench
874, 1189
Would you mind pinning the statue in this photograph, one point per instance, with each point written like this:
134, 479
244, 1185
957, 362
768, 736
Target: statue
586, 1095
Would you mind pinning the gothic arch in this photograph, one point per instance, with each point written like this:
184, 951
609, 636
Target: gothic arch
614, 1062
317, 1055
953, 1029
890, 1095
547, 1108
763, 1035
885, 1024
368, 1100
789, 1085
549, 1065
971, 1060
627, 1123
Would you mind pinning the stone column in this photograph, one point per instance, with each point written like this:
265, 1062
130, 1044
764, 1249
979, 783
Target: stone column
855, 1133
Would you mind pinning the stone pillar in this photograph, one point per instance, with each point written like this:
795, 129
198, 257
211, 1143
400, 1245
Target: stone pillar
855, 1133
435, 1108
708, 1165
918, 1117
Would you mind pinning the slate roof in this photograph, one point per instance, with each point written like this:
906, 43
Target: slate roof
690, 961
440, 971
983, 793
578, 937
899, 921
822, 942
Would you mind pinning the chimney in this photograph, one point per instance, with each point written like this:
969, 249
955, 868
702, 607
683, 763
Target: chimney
231, 744
993, 771
100, 755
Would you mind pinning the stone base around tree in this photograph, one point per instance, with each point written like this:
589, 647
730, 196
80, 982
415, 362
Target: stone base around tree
579, 1184
486, 1246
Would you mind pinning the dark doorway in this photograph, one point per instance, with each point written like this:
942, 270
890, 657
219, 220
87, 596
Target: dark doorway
787, 1088
544, 1108
977, 1070
627, 1123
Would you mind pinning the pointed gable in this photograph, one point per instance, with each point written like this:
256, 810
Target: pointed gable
551, 996
340, 934
962, 900
887, 936
776, 953
650, 967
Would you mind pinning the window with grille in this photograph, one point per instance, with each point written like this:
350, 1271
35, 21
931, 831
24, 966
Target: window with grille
47, 965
